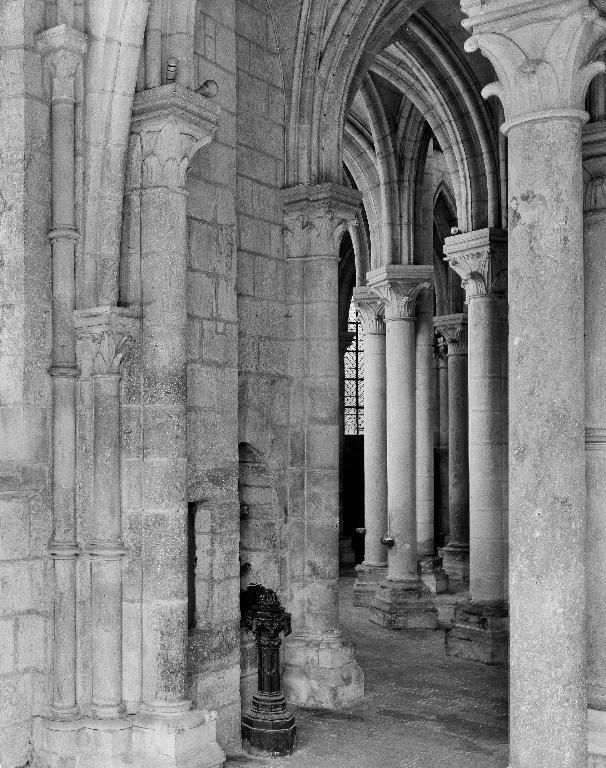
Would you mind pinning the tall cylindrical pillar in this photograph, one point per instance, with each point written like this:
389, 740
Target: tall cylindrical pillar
456, 554
320, 670
594, 164
403, 600
64, 50
441, 354
479, 627
374, 568
541, 62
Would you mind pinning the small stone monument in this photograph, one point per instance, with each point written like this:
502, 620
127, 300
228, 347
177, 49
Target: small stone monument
267, 727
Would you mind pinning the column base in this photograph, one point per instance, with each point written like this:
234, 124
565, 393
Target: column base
187, 741
433, 574
404, 605
268, 728
455, 561
596, 722
321, 671
479, 632
367, 582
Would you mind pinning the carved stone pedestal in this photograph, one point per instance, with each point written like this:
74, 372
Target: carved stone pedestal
369, 578
433, 575
479, 632
321, 671
185, 741
404, 605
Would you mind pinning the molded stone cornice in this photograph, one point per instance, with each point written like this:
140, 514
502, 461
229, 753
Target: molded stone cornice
480, 258
315, 218
63, 49
594, 166
173, 123
399, 285
541, 51
104, 336
371, 310
453, 328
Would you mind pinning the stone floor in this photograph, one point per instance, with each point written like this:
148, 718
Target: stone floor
420, 709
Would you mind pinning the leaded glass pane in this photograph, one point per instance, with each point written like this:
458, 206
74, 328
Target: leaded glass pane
354, 377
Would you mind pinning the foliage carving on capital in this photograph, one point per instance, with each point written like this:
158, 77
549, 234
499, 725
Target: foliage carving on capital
173, 123
63, 49
400, 297
480, 258
102, 353
453, 329
315, 233
542, 56
371, 311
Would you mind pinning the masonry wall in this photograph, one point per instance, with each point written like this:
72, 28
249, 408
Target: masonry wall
212, 383
25, 394
263, 341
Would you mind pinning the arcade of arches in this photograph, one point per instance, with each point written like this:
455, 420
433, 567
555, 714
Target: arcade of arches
202, 203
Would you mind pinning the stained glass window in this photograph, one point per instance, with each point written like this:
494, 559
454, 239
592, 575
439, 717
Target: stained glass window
354, 376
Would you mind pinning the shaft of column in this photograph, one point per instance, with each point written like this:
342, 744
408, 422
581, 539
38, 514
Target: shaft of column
375, 449
424, 427
403, 601
371, 311
486, 556
106, 549
594, 163
63, 48
442, 373
163, 269
456, 554
401, 440
547, 519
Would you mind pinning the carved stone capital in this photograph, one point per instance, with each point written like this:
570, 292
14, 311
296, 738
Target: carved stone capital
440, 348
453, 329
171, 124
542, 52
63, 49
104, 336
315, 218
399, 285
480, 258
594, 166
371, 310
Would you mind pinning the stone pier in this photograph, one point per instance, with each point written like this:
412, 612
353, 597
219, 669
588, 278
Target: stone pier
374, 568
403, 600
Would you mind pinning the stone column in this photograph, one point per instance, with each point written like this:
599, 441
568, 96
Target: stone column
479, 627
432, 572
346, 553
455, 554
374, 568
403, 600
540, 56
441, 357
594, 165
63, 49
104, 335
171, 123
320, 670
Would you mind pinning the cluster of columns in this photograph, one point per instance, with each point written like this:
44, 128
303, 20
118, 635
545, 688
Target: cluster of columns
389, 579
170, 124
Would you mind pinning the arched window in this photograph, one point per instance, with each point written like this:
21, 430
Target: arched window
354, 376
